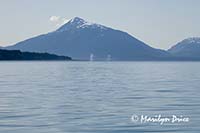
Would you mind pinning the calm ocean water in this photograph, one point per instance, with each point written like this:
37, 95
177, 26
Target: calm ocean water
98, 97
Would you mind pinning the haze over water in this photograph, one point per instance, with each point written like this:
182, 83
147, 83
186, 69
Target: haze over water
96, 97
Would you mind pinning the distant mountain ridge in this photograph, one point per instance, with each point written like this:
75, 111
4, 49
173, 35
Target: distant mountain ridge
79, 39
188, 48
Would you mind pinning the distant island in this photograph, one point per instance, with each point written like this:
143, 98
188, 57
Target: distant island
18, 55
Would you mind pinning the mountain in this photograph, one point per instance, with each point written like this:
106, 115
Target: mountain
188, 48
18, 55
82, 40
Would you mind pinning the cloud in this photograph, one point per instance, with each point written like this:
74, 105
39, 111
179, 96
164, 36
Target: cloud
54, 18
58, 21
64, 20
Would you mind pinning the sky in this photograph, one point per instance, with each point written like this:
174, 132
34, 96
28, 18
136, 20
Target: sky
158, 23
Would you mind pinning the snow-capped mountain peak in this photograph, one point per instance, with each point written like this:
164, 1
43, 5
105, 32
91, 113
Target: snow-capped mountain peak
77, 23
189, 48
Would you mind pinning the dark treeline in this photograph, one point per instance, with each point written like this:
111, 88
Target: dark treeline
18, 55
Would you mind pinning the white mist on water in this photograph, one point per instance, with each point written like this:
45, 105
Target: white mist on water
91, 57
108, 58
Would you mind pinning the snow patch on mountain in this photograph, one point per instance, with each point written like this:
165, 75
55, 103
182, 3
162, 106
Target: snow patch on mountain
191, 40
78, 23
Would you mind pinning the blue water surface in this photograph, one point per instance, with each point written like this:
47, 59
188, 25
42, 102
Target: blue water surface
98, 97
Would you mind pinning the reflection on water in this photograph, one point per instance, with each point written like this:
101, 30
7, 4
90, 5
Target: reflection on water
96, 97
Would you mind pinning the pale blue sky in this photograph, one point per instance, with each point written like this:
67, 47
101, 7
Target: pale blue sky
159, 23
